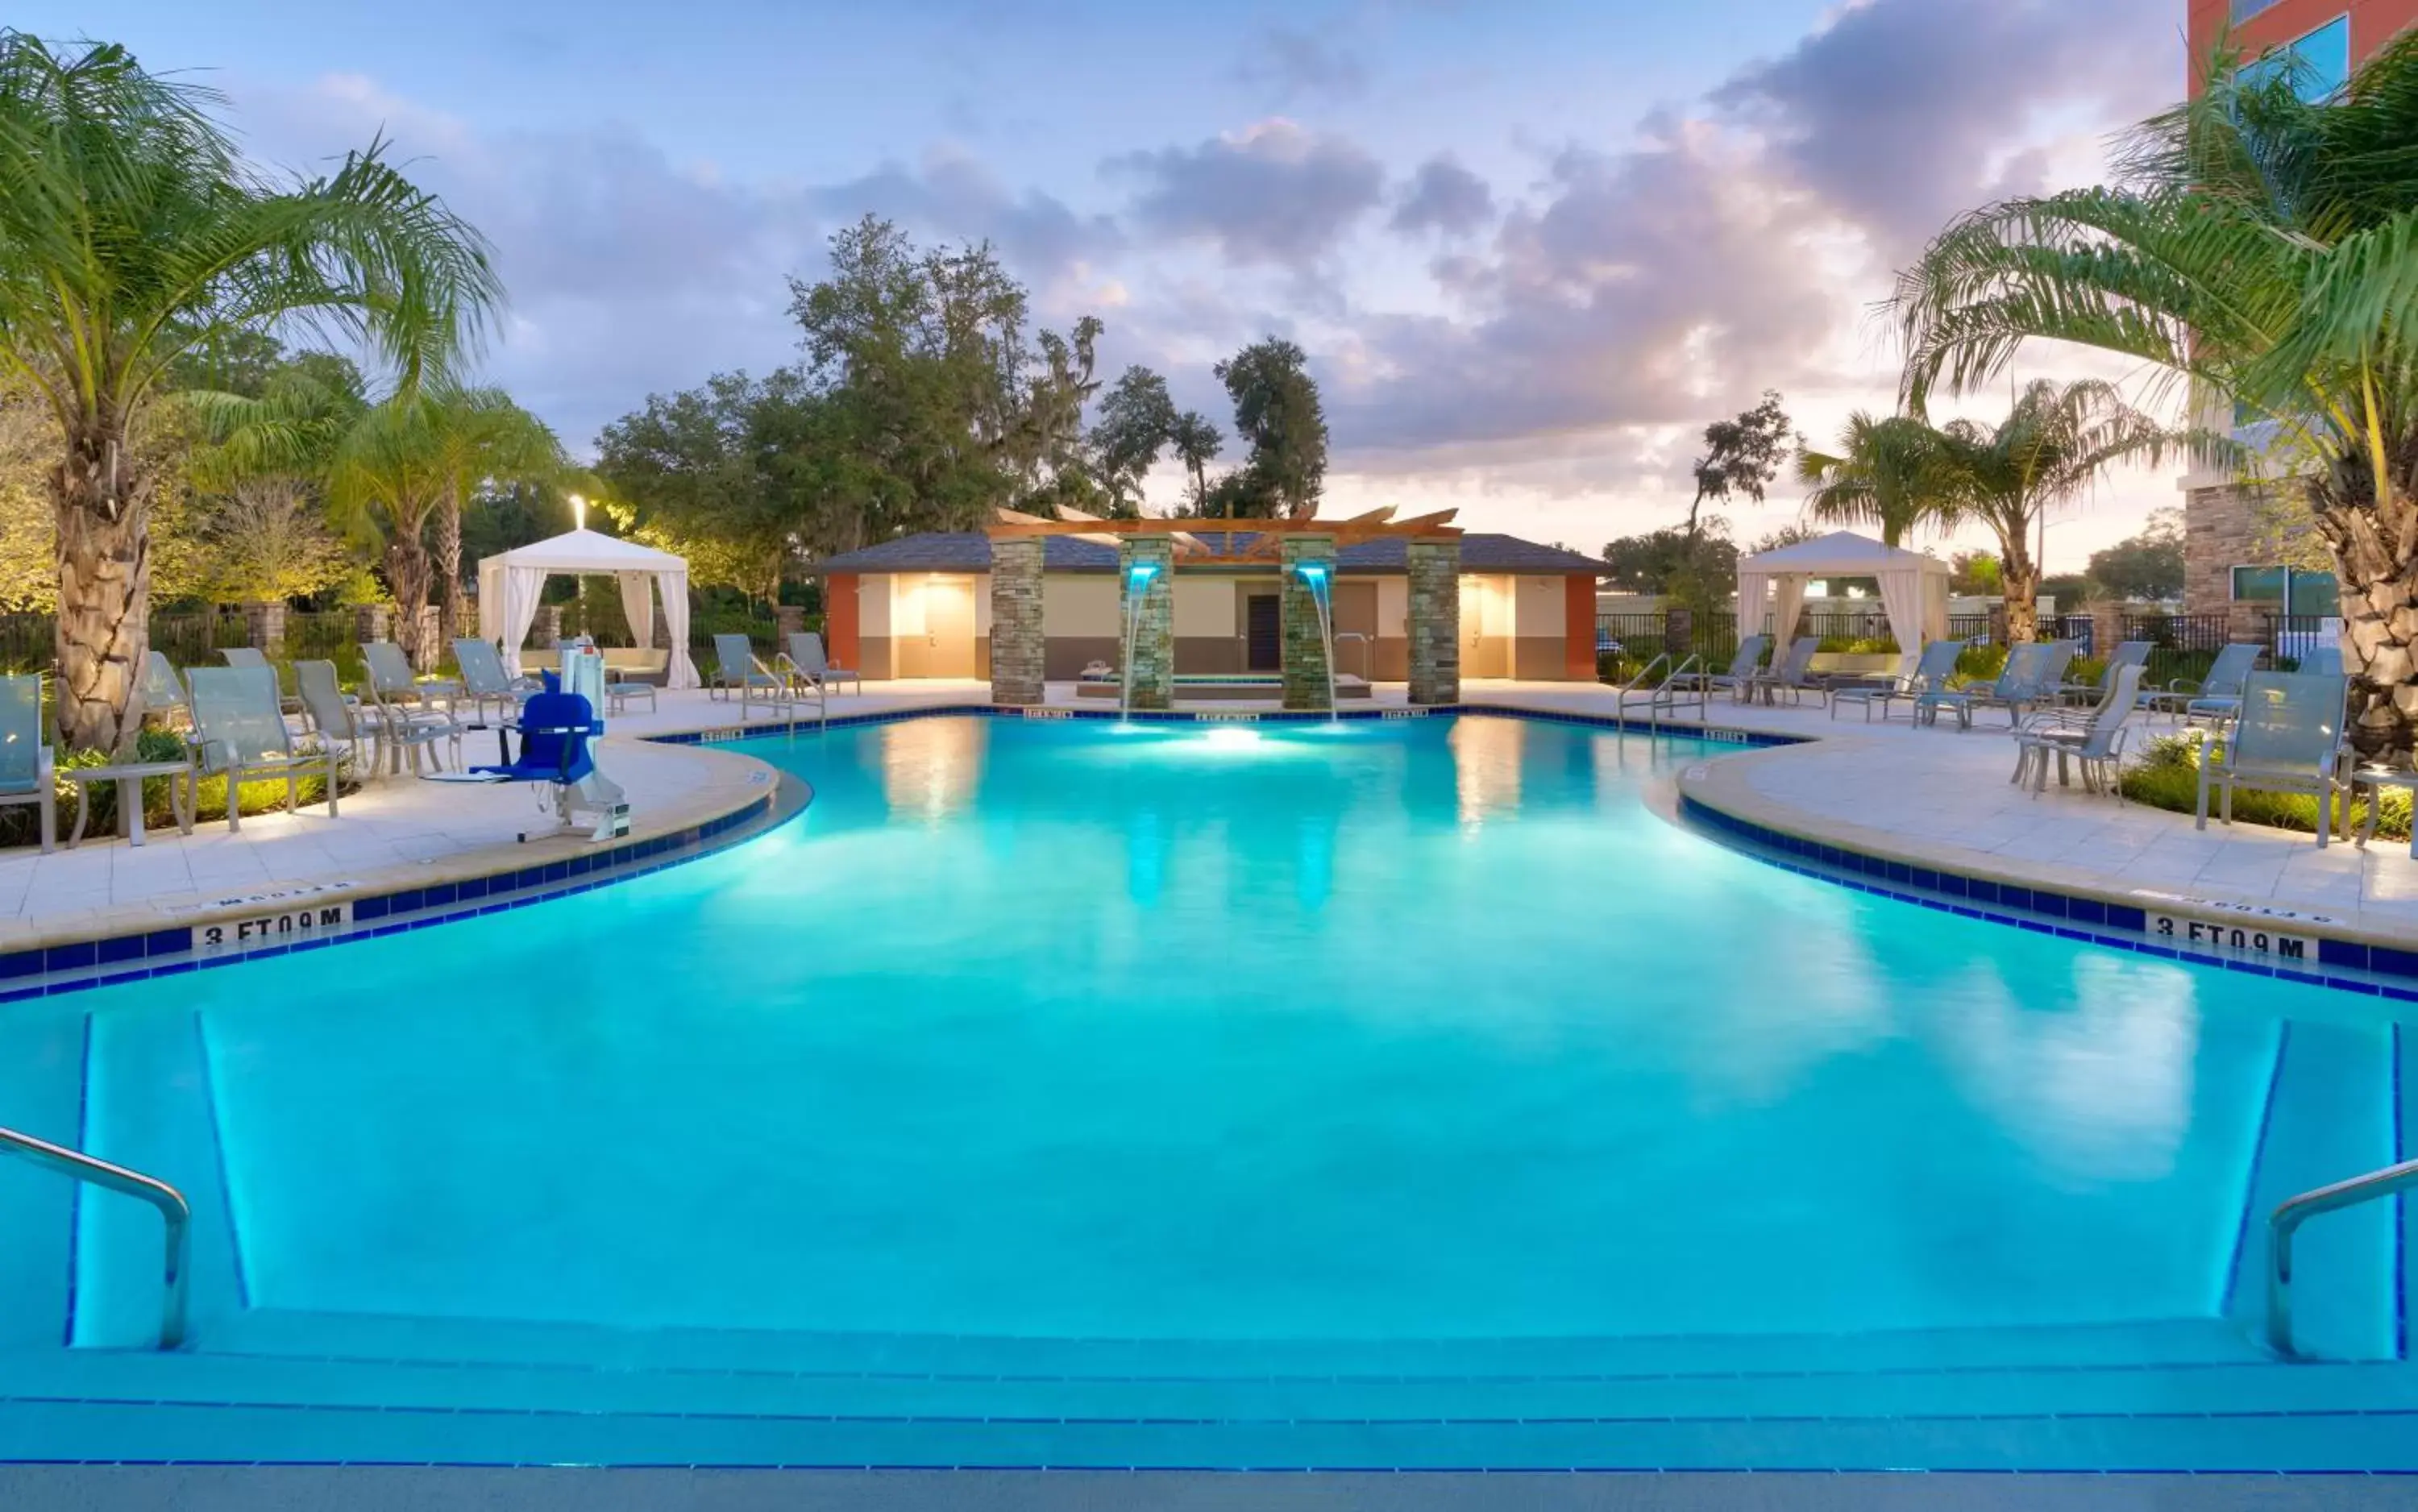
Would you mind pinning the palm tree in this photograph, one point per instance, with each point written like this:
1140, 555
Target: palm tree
2050, 450
2261, 248
132, 232
1886, 473
480, 437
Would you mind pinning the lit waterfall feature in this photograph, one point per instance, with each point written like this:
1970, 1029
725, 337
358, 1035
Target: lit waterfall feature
1313, 578
1137, 578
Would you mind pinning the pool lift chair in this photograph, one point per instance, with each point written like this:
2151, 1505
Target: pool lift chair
556, 727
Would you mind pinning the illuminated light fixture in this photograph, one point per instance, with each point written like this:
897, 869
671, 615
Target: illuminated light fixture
578, 512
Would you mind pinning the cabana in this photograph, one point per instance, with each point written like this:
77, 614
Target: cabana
511, 583
1914, 588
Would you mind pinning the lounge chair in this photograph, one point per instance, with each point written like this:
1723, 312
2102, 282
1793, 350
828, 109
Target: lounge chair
2324, 661
737, 670
2217, 696
2287, 737
393, 681
2128, 653
254, 659
25, 770
806, 651
242, 735
484, 681
1793, 675
161, 692
1925, 672
2028, 679
2096, 742
1739, 679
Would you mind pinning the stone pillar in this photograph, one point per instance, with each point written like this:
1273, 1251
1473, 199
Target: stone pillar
370, 622
1435, 621
1018, 643
2106, 628
263, 627
545, 632
1306, 684
432, 643
1678, 632
1998, 623
1148, 562
788, 618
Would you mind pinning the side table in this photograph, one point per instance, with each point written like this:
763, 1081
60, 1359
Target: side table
129, 776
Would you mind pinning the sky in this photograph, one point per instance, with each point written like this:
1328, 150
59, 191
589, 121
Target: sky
1531, 248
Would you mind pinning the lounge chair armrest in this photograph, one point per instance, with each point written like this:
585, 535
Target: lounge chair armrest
47, 762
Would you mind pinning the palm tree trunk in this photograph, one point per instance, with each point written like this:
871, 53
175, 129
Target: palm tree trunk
407, 569
2375, 562
101, 503
449, 562
2019, 581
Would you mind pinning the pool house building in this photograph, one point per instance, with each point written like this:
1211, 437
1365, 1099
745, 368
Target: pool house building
922, 607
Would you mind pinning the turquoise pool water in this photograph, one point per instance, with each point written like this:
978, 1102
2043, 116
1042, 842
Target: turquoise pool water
1420, 1029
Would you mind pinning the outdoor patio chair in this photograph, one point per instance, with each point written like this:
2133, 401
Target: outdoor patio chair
2029, 679
2287, 737
391, 681
2128, 653
366, 730
737, 670
254, 658
242, 735
806, 651
1792, 675
1917, 673
24, 760
2097, 741
484, 681
161, 692
2217, 696
1743, 668
2325, 661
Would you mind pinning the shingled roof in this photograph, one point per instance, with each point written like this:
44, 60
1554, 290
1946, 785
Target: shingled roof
968, 551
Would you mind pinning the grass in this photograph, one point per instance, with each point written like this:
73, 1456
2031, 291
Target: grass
2167, 777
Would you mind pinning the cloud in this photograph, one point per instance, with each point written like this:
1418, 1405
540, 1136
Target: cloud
1272, 194
1899, 109
953, 196
1445, 197
1291, 63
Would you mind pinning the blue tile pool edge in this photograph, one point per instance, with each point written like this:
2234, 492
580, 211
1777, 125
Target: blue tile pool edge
78, 966
2343, 965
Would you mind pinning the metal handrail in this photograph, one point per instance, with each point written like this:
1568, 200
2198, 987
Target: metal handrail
176, 1214
2294, 1212
1620, 699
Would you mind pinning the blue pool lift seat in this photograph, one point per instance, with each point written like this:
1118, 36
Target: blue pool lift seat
555, 730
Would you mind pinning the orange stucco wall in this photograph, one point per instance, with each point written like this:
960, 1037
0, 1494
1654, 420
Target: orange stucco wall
839, 619
2373, 24
1578, 629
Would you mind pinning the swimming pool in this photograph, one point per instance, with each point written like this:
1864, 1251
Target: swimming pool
1204, 1090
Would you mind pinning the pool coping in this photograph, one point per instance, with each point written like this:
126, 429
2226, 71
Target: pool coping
134, 946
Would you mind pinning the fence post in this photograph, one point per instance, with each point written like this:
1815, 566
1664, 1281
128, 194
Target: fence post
263, 627
1678, 630
788, 618
370, 622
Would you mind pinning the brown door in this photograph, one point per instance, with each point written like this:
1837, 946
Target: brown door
1355, 616
949, 628
1262, 633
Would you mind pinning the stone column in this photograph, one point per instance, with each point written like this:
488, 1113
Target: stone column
2107, 628
370, 622
788, 618
1018, 643
547, 632
1435, 621
1151, 561
263, 627
1678, 632
432, 645
1306, 684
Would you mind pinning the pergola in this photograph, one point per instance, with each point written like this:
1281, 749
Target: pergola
511, 583
1914, 588
1151, 549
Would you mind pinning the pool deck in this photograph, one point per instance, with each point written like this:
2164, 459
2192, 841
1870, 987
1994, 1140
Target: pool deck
1934, 797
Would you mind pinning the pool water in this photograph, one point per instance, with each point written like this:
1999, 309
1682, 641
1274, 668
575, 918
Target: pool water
1406, 1029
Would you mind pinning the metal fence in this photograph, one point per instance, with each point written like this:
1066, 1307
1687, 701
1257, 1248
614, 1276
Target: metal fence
2180, 645
1626, 641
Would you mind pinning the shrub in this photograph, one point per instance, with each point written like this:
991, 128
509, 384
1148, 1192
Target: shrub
1978, 663
20, 825
2167, 777
1860, 645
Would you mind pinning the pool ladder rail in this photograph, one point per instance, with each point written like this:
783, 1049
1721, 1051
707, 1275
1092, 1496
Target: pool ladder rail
2294, 1212
176, 1214
1687, 681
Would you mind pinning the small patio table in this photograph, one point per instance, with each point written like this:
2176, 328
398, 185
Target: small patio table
2377, 779
129, 776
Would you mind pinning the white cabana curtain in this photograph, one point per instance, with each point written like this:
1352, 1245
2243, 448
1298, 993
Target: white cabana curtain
675, 589
1787, 603
1902, 596
1754, 594
639, 606
516, 594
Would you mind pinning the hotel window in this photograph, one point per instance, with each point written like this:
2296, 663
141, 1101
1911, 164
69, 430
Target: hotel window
2324, 56
2289, 589
2244, 9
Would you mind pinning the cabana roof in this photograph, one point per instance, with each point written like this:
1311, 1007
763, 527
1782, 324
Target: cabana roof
1841, 554
586, 551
